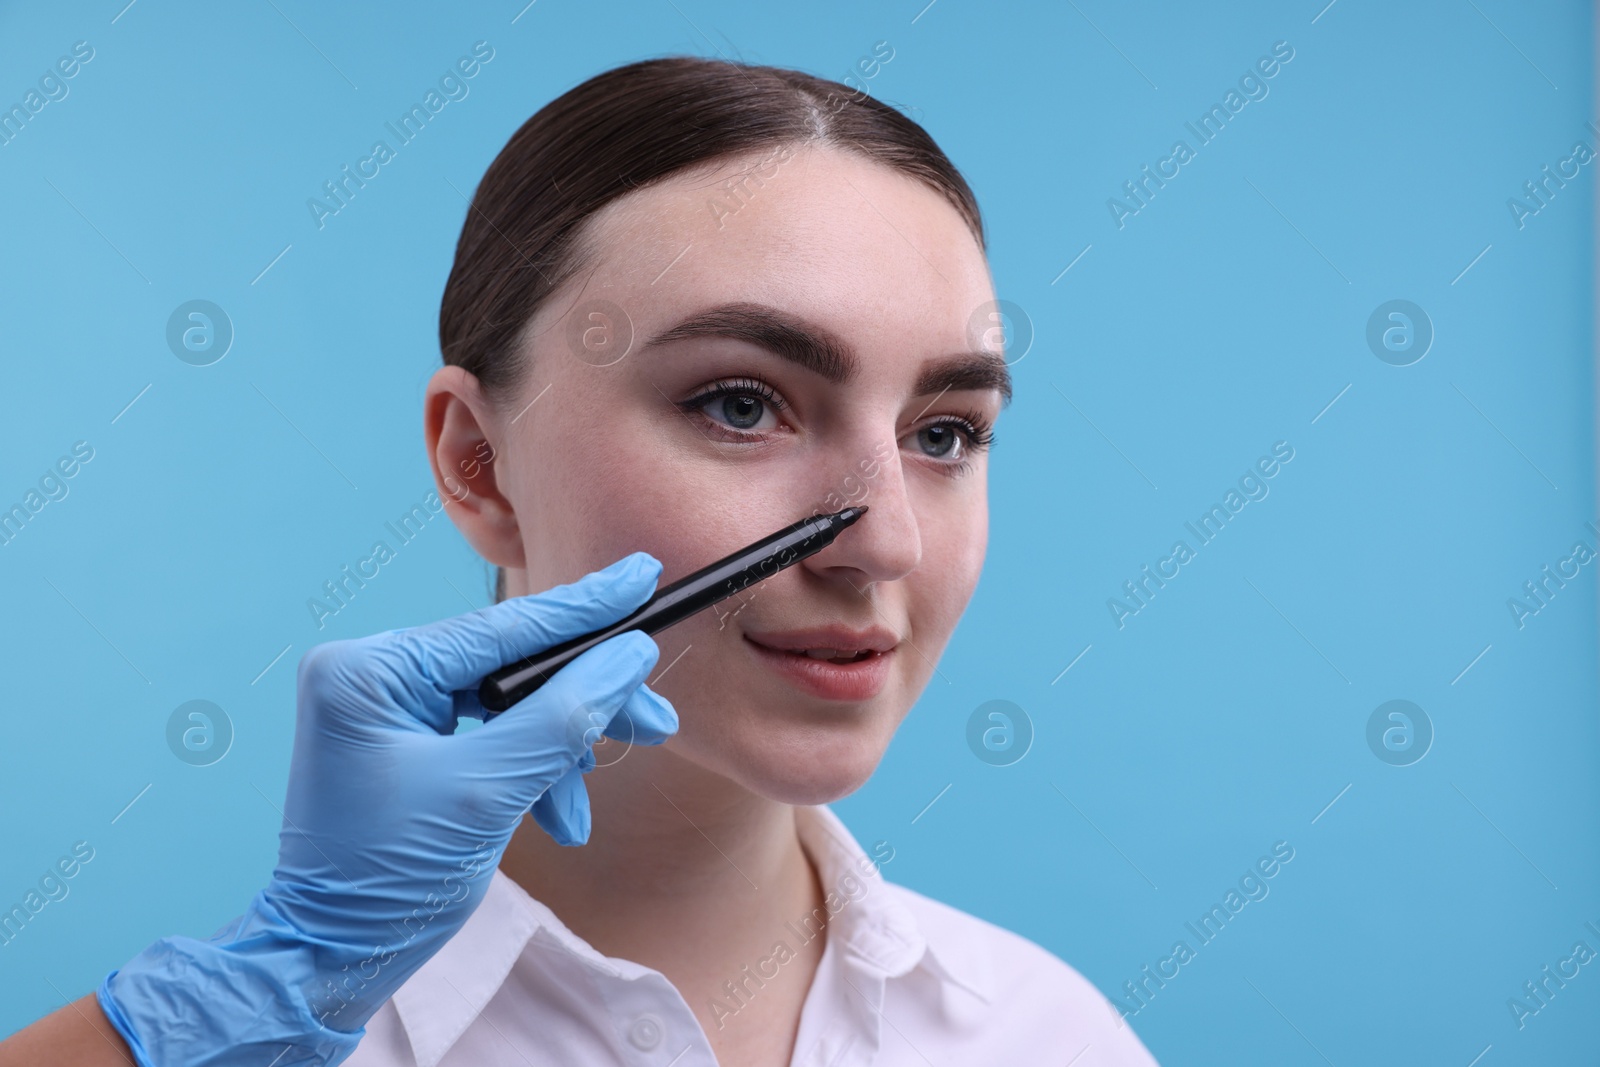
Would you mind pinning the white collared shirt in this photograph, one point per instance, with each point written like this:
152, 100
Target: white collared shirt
904, 981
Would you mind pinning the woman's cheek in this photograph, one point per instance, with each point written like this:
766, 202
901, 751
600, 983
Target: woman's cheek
948, 575
624, 495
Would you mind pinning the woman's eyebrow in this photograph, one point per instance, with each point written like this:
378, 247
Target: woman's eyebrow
823, 352
968, 370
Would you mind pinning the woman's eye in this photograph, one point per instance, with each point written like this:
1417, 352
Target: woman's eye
952, 442
746, 406
941, 440
742, 411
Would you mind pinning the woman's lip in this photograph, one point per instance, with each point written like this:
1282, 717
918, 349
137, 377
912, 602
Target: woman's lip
830, 681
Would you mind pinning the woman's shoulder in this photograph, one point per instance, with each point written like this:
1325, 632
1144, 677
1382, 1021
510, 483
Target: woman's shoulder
1023, 988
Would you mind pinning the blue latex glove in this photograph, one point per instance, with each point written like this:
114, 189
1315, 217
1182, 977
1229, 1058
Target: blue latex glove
393, 825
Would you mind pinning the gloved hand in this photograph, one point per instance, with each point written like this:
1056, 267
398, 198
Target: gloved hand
393, 825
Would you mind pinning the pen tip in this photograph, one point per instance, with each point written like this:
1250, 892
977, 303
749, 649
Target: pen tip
851, 514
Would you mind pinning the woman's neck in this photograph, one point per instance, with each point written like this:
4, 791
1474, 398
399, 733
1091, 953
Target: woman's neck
685, 871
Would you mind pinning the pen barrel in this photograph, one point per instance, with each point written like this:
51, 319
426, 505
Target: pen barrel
671, 604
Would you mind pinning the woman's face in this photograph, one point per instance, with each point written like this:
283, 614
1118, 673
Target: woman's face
810, 337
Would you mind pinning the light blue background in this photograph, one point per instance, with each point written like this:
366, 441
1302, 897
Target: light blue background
1225, 316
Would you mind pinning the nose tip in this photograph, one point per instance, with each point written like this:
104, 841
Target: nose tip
887, 548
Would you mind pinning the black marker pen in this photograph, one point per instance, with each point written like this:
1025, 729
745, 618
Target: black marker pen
673, 604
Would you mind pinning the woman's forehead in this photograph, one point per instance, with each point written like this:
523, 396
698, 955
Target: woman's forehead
827, 233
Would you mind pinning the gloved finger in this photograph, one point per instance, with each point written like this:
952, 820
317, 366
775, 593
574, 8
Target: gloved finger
563, 811
647, 718
456, 653
522, 751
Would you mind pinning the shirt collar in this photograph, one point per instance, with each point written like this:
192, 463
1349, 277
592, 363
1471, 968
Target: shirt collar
874, 924
865, 919
869, 923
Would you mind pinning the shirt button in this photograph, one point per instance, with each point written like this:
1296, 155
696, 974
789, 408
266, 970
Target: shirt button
645, 1033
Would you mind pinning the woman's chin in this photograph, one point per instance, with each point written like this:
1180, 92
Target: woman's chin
814, 766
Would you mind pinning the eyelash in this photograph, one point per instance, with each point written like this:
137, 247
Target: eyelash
976, 429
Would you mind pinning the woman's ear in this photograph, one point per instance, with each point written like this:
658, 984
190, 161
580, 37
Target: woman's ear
463, 444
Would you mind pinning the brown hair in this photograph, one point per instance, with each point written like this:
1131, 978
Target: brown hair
619, 131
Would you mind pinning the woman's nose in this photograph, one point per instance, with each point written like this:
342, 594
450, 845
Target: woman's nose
886, 542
